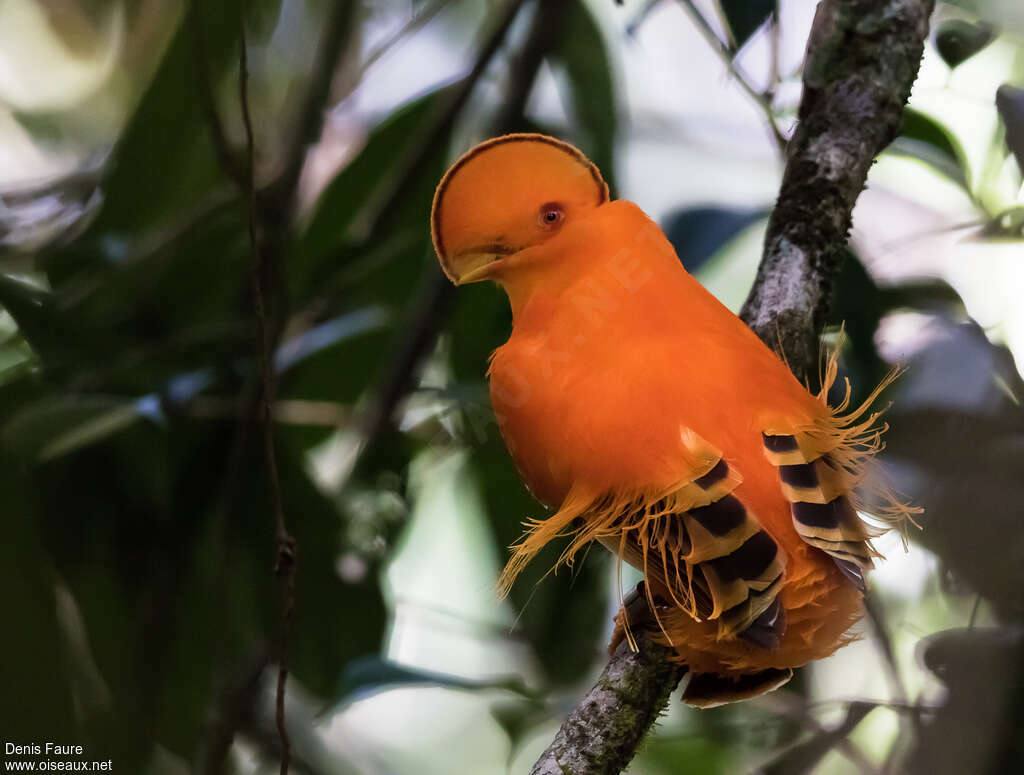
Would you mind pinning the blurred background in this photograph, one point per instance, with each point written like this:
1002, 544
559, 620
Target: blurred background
141, 612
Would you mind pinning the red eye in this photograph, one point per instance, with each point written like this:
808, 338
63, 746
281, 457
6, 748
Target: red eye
551, 215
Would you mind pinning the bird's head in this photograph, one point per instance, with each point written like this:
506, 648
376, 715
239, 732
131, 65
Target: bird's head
506, 195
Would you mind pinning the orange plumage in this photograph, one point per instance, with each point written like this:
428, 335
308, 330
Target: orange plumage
654, 421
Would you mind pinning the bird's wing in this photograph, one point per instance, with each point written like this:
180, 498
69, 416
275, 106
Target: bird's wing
703, 550
817, 485
822, 465
699, 546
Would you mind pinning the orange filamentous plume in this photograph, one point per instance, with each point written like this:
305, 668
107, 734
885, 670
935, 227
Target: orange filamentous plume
651, 419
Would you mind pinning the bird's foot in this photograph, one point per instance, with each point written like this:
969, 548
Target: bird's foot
634, 617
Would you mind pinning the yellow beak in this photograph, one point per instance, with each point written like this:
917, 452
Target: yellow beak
477, 264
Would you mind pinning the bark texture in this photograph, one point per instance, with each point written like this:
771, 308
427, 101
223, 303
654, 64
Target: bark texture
602, 734
862, 59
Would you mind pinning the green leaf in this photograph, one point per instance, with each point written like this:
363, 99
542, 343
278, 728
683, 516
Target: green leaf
60, 425
957, 40
924, 138
38, 700
1008, 224
327, 335
50, 331
803, 758
698, 233
745, 17
335, 621
371, 674
921, 295
562, 615
142, 187
109, 540
164, 162
950, 654
1006, 14
1010, 104
699, 753
857, 307
344, 198
958, 425
517, 719
584, 55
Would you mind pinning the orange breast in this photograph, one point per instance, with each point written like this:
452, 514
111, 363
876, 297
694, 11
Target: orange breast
600, 377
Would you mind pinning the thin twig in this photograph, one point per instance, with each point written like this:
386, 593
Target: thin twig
775, 61
641, 16
804, 756
230, 711
414, 24
270, 222
419, 155
311, 113
974, 612
326, 414
429, 309
284, 565
728, 57
226, 158
875, 610
546, 30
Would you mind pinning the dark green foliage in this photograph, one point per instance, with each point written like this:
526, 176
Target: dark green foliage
563, 613
957, 40
132, 518
1010, 103
698, 233
35, 664
373, 674
926, 139
980, 669
745, 17
138, 538
136, 535
859, 305
591, 88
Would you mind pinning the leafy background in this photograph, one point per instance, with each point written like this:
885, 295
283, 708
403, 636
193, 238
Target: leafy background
140, 606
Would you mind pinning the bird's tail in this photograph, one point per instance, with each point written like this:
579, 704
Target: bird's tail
703, 690
709, 690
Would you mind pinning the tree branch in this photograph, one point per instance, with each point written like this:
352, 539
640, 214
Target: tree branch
862, 59
601, 736
728, 57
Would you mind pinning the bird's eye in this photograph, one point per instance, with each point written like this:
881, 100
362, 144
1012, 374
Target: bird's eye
551, 215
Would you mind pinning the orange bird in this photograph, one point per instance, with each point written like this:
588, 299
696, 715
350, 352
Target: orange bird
648, 417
